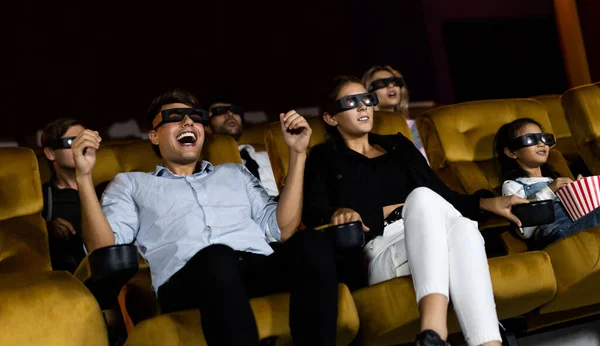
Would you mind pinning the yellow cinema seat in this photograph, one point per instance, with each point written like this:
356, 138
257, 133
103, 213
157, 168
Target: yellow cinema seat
255, 136
23, 234
37, 306
582, 108
49, 308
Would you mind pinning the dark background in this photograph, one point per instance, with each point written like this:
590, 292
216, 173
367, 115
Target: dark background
104, 61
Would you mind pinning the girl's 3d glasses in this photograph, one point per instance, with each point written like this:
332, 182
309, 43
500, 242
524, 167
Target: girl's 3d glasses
384, 82
219, 110
531, 139
353, 101
173, 115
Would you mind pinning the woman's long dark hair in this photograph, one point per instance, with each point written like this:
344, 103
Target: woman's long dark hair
510, 169
333, 90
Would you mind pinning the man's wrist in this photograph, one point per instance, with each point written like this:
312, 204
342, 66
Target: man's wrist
83, 179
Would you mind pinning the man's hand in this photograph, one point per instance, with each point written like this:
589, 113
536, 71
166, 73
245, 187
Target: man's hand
296, 131
559, 183
84, 151
61, 229
502, 206
345, 215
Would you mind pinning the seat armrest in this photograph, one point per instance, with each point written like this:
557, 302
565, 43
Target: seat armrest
106, 270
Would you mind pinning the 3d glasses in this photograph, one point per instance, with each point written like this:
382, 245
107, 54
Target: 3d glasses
384, 82
219, 110
531, 139
174, 115
353, 101
62, 143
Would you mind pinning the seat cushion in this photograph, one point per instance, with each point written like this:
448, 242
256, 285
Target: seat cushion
183, 328
51, 308
576, 262
389, 312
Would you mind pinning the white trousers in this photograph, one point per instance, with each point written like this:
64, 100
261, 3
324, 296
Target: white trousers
445, 254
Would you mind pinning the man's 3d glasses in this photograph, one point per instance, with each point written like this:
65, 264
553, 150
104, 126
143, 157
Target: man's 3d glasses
173, 115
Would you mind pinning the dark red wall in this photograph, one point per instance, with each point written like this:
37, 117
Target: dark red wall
104, 62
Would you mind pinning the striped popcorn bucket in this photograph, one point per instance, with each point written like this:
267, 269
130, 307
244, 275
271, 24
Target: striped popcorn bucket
581, 197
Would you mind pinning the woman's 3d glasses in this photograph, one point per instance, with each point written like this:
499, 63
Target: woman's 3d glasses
62, 143
531, 139
219, 110
384, 82
174, 115
353, 101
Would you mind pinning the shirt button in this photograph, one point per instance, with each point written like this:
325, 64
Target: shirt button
338, 176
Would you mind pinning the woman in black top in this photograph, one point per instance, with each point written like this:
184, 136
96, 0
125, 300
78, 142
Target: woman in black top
415, 224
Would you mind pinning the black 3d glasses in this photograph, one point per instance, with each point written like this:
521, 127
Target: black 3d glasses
174, 115
62, 143
384, 82
531, 139
353, 101
219, 110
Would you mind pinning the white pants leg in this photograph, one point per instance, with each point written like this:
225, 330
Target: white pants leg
446, 255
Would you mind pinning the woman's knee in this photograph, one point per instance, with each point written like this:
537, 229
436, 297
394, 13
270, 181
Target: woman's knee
425, 200
465, 231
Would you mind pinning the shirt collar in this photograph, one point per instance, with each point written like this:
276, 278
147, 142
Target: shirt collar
201, 167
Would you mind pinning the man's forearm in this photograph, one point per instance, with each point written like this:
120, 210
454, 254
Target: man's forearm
289, 208
95, 229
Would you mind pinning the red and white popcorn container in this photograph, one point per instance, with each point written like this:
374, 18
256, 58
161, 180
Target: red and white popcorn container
581, 197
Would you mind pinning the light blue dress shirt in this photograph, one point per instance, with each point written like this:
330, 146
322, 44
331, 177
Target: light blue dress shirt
172, 217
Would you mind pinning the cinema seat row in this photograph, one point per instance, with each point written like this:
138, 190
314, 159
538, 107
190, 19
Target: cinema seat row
534, 289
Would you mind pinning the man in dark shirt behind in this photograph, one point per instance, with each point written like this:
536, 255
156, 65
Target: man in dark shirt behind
62, 210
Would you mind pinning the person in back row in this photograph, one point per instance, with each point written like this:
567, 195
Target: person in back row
392, 92
62, 211
415, 224
204, 229
227, 118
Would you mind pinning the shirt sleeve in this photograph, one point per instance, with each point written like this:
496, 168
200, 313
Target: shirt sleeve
120, 209
264, 208
511, 187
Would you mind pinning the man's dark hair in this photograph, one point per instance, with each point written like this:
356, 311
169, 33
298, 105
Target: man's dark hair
171, 96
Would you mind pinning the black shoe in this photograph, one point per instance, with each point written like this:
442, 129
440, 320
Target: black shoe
430, 338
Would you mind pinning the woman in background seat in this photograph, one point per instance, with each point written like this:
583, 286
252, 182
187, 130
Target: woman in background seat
415, 224
392, 92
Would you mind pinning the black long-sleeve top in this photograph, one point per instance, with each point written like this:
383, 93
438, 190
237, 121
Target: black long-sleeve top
339, 177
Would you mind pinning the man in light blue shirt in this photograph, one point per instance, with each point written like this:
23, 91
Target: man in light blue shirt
205, 230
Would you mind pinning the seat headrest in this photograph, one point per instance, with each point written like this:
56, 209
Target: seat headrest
582, 108
466, 130
20, 186
556, 113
